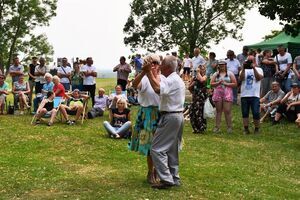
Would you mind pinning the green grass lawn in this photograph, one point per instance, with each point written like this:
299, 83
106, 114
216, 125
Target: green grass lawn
81, 162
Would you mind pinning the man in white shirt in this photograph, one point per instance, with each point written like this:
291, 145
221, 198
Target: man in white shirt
284, 62
168, 135
89, 81
39, 73
64, 73
251, 77
197, 60
233, 65
187, 64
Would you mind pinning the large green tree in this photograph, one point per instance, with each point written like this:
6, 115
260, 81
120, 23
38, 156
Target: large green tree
18, 20
287, 11
164, 24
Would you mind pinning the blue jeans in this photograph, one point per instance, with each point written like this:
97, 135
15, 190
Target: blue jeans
79, 87
253, 103
121, 131
36, 102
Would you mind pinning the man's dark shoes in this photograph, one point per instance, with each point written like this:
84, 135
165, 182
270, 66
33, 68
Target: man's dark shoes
162, 185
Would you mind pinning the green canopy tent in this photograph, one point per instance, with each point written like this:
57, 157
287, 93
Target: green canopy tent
289, 42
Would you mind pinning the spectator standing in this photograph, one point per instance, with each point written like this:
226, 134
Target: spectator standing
31, 79
187, 65
138, 63
242, 57
199, 94
284, 62
234, 66
223, 82
89, 80
258, 57
196, 61
211, 66
123, 69
250, 77
269, 67
39, 72
77, 77
64, 73
16, 70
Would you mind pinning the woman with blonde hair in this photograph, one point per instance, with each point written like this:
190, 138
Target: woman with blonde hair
120, 124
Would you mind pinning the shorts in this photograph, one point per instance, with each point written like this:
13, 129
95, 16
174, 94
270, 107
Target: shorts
186, 70
224, 94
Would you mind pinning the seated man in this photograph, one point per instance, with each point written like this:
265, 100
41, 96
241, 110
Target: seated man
271, 100
119, 126
75, 106
3, 92
47, 107
100, 104
48, 86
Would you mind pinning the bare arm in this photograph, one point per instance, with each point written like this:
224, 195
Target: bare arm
155, 84
257, 75
286, 97
136, 83
233, 81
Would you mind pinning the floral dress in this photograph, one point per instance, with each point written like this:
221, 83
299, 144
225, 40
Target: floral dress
199, 96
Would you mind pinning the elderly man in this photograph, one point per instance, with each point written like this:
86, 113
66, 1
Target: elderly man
64, 73
39, 72
15, 70
167, 137
196, 61
89, 80
271, 100
233, 65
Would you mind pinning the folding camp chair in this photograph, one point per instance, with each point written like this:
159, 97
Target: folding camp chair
57, 101
85, 105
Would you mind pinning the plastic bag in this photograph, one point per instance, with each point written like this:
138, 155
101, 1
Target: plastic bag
209, 110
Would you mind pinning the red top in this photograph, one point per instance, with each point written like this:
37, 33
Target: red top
61, 89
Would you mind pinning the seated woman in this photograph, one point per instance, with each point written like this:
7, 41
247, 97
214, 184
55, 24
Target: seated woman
120, 124
114, 97
46, 107
48, 86
3, 92
74, 106
21, 90
58, 88
290, 106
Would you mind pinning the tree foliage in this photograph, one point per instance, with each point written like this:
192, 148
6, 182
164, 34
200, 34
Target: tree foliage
164, 24
288, 11
18, 19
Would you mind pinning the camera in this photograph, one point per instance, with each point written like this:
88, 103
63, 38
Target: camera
247, 64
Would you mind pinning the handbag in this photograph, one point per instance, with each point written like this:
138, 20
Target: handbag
209, 110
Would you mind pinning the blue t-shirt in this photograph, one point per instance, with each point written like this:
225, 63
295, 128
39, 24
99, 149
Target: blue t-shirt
48, 86
138, 64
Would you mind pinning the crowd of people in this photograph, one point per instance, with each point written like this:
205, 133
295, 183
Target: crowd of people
266, 84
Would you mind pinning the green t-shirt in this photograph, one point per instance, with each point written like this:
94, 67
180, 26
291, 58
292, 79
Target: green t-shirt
4, 86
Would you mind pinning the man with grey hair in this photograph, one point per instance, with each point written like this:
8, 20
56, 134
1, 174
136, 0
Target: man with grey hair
168, 135
39, 73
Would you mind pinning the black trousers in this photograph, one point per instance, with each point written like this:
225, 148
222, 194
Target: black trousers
38, 87
91, 89
123, 83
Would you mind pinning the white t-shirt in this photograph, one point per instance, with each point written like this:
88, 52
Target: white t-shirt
88, 80
187, 62
146, 95
250, 87
68, 70
284, 61
43, 70
172, 93
233, 66
196, 61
